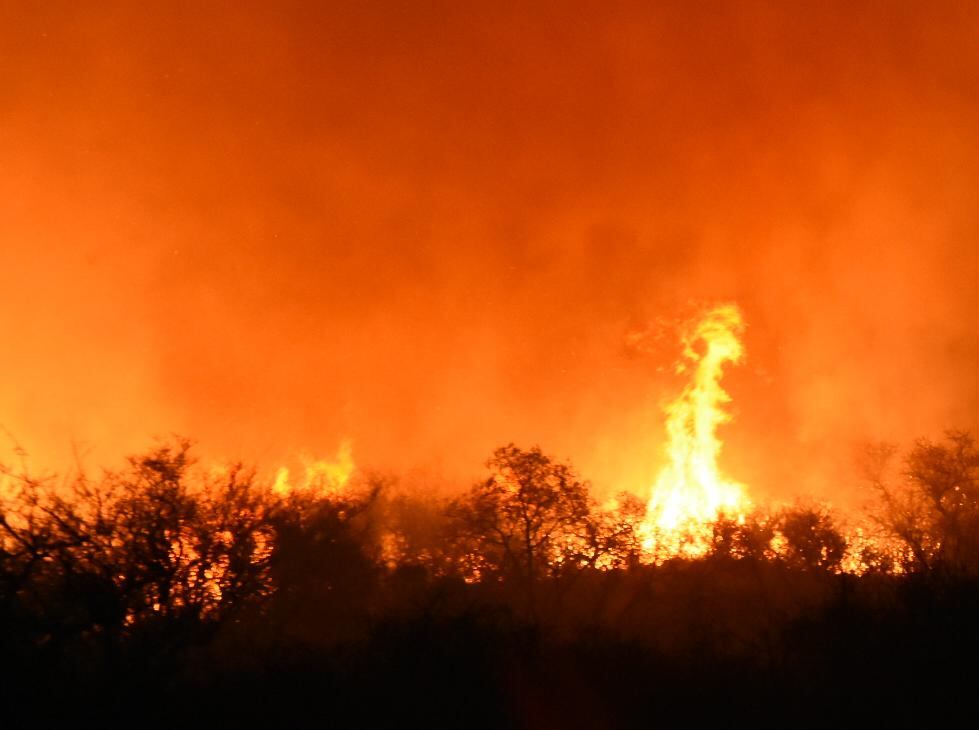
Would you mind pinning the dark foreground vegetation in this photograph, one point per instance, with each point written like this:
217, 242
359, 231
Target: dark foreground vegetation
159, 596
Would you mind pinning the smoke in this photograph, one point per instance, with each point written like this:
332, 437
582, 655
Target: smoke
430, 228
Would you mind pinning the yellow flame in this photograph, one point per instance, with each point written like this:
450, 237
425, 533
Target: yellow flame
326, 477
690, 491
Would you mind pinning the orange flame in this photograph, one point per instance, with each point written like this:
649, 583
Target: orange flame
690, 492
326, 477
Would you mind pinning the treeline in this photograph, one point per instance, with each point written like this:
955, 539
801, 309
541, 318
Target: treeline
162, 594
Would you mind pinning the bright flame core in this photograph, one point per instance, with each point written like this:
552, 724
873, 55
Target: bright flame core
690, 491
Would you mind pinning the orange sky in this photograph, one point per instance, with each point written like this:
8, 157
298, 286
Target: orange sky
430, 227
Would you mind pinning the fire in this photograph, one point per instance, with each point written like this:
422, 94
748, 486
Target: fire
690, 492
327, 477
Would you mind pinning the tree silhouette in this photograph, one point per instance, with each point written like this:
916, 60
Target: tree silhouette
140, 547
947, 477
529, 519
163, 585
933, 512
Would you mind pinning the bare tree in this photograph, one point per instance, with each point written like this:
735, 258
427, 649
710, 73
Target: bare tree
140, 545
932, 510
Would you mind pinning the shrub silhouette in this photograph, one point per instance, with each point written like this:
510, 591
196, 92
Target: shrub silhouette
162, 593
812, 541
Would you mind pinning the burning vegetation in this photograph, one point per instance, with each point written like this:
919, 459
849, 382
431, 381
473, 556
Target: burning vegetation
419, 278
690, 492
166, 581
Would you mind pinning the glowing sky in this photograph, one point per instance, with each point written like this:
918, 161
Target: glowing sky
431, 227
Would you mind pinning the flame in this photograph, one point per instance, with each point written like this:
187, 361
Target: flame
326, 477
690, 492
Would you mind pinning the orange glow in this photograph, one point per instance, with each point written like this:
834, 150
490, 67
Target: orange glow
690, 491
276, 228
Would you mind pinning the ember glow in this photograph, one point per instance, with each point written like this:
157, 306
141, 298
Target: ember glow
691, 492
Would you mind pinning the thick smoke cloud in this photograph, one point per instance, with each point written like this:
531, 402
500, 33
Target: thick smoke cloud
431, 227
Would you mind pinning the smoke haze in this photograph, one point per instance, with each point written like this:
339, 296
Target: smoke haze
434, 228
